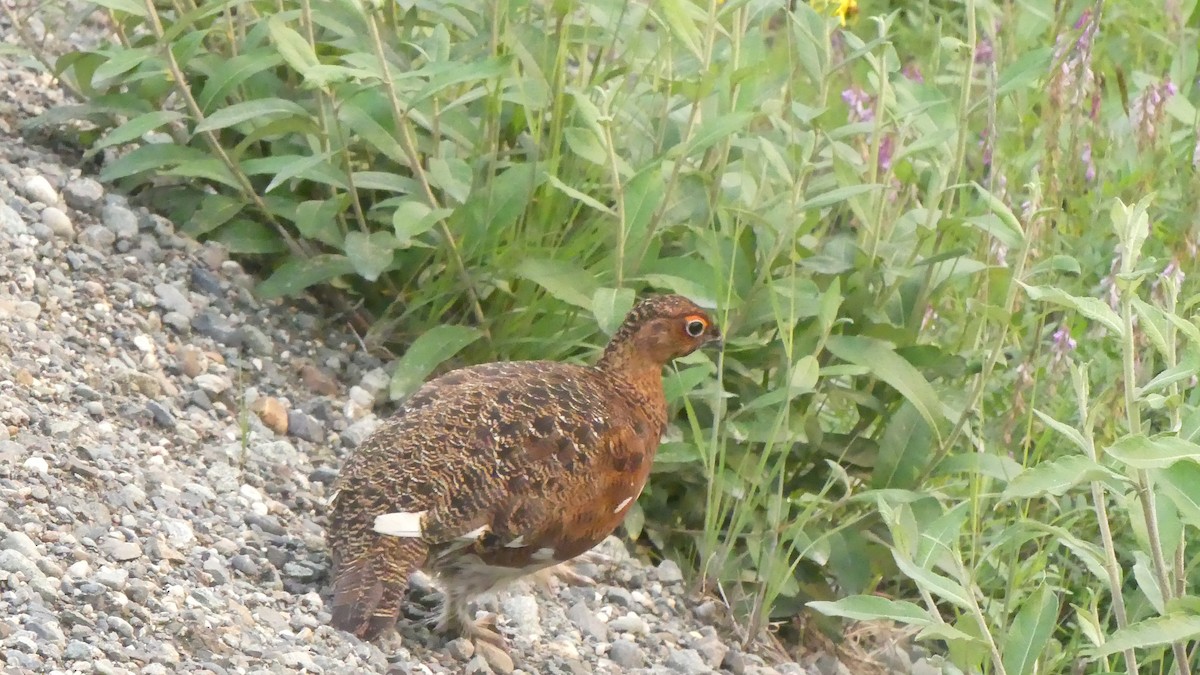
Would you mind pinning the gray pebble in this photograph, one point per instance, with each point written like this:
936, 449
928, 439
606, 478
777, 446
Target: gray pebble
59, 222
21, 543
587, 622
98, 237
246, 565
626, 654
669, 572
11, 221
47, 631
84, 194
122, 221
171, 299
15, 562
460, 648
305, 427
38, 189
257, 341
160, 414
687, 661
77, 651
121, 550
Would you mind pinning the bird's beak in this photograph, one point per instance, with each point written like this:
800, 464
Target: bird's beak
715, 341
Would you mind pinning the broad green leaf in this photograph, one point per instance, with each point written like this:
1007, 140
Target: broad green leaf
250, 236
1031, 629
229, 74
1185, 370
137, 127
1023, 72
904, 449
257, 109
1071, 433
805, 373
370, 254
290, 167
413, 217
873, 607
1151, 632
1180, 482
428, 352
583, 142
942, 587
132, 7
318, 219
1013, 233
1092, 308
291, 45
215, 210
1054, 477
610, 305
837, 195
880, 357
1147, 582
298, 274
1159, 452
578, 195
119, 62
150, 157
560, 279
675, 15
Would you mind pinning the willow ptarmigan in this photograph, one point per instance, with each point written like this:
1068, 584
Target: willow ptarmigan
495, 471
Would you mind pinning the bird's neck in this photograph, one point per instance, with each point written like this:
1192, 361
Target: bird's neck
636, 368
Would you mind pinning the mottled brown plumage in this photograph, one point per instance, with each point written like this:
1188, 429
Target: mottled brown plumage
495, 471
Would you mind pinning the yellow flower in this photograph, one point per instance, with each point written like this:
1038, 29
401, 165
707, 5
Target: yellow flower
842, 9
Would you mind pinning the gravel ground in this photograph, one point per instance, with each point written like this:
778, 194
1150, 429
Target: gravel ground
167, 442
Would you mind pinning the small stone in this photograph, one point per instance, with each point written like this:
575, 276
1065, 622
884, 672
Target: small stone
59, 222
144, 343
172, 299
204, 281
211, 383
122, 221
37, 464
587, 622
669, 572
317, 381
356, 433
113, 577
305, 427
77, 651
98, 237
11, 221
257, 341
523, 614
461, 649
626, 654
246, 565
712, 650
161, 415
47, 631
479, 666
21, 543
272, 413
38, 189
620, 597
14, 562
83, 194
121, 550
27, 309
630, 623
192, 361
687, 661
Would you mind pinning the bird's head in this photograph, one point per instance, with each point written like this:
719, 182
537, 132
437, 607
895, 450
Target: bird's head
662, 328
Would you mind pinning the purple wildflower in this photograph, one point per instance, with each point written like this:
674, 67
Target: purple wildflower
913, 72
862, 104
886, 148
984, 52
1063, 343
1149, 110
1089, 166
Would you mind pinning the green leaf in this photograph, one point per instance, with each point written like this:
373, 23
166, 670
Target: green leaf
903, 449
1151, 632
298, 274
578, 195
1160, 452
560, 279
229, 74
938, 585
583, 142
1023, 72
291, 45
249, 236
882, 361
681, 26
150, 157
1070, 433
872, 608
1054, 477
428, 352
837, 195
1181, 484
318, 219
137, 127
257, 109
132, 7
413, 217
1092, 308
610, 305
120, 62
371, 254
1030, 631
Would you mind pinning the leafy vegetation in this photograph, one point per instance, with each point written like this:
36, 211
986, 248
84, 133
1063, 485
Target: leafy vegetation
948, 243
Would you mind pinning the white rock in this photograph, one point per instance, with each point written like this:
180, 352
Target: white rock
37, 465
39, 189
58, 222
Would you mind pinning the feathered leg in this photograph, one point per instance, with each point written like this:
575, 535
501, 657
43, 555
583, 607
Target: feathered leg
368, 590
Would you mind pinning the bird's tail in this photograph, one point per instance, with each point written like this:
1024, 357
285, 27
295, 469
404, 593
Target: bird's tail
369, 588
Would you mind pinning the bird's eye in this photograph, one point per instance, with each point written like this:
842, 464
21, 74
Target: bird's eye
695, 328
